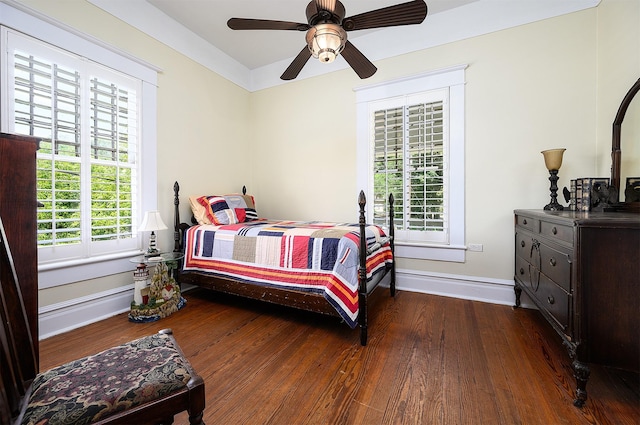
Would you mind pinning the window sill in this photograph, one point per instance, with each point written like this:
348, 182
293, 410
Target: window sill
65, 272
452, 253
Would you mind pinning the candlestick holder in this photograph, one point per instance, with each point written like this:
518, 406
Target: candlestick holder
553, 161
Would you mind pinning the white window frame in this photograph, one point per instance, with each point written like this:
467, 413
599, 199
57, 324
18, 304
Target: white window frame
25, 20
453, 79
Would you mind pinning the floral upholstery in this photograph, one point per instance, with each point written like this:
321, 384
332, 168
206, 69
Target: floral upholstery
95, 387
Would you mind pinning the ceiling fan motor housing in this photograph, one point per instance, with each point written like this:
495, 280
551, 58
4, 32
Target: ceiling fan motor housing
325, 11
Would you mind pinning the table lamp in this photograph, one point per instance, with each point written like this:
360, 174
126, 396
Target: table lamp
553, 161
152, 222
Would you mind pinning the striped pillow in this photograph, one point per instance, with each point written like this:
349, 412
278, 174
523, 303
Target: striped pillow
228, 209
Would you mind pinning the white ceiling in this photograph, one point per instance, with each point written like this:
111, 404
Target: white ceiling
254, 49
255, 59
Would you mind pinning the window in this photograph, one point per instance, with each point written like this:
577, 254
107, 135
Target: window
411, 145
87, 167
94, 111
409, 161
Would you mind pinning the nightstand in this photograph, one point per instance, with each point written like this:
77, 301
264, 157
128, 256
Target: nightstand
156, 292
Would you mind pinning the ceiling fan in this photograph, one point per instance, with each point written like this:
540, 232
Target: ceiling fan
327, 31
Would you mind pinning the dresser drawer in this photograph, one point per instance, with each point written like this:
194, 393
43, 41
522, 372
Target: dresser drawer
556, 265
553, 299
527, 223
523, 271
524, 242
556, 231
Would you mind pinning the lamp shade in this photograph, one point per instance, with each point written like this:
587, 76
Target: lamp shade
553, 158
151, 222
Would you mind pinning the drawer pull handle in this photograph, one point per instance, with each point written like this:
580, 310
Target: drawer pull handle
522, 244
521, 270
554, 230
550, 299
524, 221
552, 262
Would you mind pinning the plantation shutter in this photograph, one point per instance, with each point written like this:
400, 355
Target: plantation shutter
47, 105
87, 118
409, 161
388, 165
113, 153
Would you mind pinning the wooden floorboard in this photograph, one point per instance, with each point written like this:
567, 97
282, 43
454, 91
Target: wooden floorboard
430, 360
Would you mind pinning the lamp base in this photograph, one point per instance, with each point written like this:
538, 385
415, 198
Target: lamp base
553, 205
152, 251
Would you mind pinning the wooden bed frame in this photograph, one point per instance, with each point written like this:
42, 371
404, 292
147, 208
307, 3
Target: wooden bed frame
290, 298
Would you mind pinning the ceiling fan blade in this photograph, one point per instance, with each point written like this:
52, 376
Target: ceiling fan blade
360, 64
296, 66
264, 24
409, 13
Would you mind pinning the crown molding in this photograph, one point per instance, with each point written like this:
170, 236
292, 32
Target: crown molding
471, 20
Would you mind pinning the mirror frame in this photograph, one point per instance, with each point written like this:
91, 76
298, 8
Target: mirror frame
616, 153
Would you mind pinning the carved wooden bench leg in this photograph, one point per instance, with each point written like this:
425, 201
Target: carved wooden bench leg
196, 420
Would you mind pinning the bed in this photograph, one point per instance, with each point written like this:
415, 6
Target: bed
327, 268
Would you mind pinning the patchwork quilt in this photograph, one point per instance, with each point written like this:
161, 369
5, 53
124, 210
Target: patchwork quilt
305, 256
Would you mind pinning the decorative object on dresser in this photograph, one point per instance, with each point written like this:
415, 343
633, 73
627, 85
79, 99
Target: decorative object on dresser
328, 268
582, 271
553, 161
592, 194
632, 190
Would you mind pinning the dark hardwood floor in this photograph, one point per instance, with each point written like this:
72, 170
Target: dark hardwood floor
430, 360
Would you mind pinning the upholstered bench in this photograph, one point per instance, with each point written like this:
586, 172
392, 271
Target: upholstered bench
114, 381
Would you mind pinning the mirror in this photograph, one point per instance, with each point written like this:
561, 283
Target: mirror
616, 153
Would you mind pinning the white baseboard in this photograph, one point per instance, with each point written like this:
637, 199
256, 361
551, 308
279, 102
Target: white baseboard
489, 290
63, 317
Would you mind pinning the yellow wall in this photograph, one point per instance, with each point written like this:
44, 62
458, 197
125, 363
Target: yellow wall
529, 88
554, 83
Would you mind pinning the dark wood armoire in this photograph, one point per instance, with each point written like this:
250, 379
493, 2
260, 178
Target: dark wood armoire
18, 209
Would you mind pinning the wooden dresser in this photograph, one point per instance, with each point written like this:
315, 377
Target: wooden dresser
582, 270
18, 209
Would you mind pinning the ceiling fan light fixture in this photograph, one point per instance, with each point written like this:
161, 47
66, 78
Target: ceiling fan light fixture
326, 41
